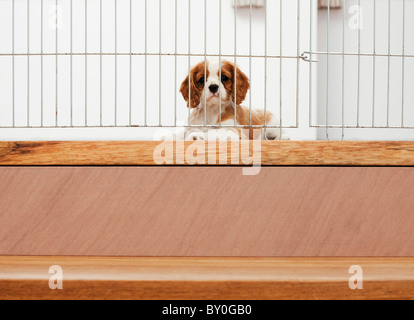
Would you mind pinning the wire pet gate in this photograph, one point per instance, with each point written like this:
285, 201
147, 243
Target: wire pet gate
366, 62
119, 63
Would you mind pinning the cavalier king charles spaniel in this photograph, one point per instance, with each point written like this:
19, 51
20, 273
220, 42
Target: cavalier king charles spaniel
205, 87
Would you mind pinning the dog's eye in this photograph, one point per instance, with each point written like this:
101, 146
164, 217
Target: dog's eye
224, 79
201, 81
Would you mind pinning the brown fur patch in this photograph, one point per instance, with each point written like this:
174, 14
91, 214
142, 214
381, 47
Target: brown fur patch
238, 87
197, 87
243, 117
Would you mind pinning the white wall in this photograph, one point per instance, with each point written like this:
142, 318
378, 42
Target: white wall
367, 93
170, 100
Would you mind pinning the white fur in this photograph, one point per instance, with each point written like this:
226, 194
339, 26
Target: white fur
208, 112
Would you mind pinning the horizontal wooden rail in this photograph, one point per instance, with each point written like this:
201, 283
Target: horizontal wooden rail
201, 278
273, 153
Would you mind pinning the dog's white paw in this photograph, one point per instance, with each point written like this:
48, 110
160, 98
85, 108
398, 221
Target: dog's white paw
223, 135
273, 134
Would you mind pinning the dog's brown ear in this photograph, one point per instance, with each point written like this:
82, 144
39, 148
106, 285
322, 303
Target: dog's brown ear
242, 86
188, 88
240, 82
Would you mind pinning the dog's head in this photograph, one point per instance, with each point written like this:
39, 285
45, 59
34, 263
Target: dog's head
204, 84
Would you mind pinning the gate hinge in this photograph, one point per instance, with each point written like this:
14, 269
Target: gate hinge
306, 56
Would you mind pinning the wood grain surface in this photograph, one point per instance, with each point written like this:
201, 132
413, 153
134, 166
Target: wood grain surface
275, 153
192, 278
214, 212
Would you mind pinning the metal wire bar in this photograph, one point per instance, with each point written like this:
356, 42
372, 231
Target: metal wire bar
265, 71
146, 63
311, 64
28, 63
173, 54
86, 63
116, 63
281, 72
71, 64
322, 126
374, 64
100, 64
160, 64
42, 62
235, 61
57, 62
13, 65
332, 126
343, 72
175, 62
214, 126
327, 70
366, 54
250, 59
220, 58
389, 63
298, 36
359, 63
205, 62
130, 63
403, 68
189, 62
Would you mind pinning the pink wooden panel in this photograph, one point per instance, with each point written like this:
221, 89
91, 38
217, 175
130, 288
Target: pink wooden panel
135, 211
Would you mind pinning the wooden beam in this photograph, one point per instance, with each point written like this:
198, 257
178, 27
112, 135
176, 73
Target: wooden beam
279, 153
200, 278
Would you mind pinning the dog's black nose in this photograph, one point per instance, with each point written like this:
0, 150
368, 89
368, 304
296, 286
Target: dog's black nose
213, 88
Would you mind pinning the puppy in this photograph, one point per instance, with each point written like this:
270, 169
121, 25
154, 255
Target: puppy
205, 89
